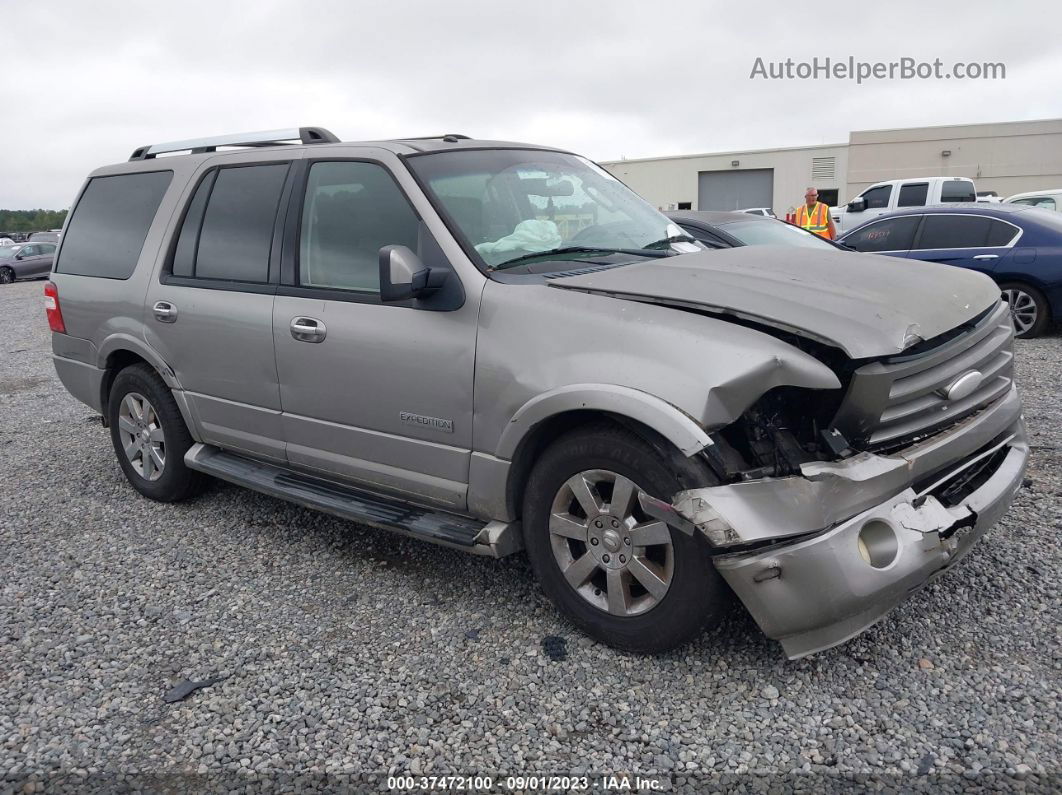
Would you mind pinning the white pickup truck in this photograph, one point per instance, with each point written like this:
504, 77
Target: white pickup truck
895, 194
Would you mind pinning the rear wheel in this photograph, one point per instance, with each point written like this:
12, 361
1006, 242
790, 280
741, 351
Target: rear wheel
6, 275
1029, 311
622, 577
150, 437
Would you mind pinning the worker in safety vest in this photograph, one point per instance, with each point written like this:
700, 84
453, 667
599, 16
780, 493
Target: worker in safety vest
814, 216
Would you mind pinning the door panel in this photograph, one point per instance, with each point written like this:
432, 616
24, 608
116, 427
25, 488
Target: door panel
385, 399
377, 394
966, 241
983, 260
210, 315
221, 348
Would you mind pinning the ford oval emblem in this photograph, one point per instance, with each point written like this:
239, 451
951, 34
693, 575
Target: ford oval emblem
963, 386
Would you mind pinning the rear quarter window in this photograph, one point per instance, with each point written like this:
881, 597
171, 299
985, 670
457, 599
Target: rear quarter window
957, 190
107, 228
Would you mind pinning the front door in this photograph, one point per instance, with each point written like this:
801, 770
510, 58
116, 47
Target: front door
376, 394
210, 315
36, 260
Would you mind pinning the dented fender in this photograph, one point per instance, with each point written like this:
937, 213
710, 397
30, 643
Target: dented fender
682, 373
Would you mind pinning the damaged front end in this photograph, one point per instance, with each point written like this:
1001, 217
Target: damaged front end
820, 536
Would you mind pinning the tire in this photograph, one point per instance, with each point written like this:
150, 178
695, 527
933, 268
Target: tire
618, 609
159, 428
1029, 310
7, 276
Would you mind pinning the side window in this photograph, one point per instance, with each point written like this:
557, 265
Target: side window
47, 248
237, 231
1000, 234
957, 190
107, 229
1047, 203
876, 198
188, 240
707, 238
954, 231
1028, 202
350, 211
29, 251
892, 234
913, 194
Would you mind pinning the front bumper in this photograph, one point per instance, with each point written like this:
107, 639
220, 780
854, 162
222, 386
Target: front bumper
844, 543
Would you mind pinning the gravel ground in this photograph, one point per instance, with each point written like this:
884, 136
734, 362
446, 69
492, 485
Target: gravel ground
345, 650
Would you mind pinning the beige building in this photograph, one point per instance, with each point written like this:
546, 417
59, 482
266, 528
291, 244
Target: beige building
1007, 157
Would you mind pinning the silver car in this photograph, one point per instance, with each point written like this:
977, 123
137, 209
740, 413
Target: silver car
25, 261
496, 346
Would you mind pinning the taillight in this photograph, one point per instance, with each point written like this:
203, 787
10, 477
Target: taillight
51, 307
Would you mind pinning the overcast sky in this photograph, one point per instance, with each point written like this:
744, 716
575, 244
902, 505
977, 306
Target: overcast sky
84, 83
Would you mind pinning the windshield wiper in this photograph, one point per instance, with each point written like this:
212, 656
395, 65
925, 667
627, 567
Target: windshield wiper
665, 243
640, 252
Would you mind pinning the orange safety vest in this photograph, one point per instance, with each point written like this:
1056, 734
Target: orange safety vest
818, 221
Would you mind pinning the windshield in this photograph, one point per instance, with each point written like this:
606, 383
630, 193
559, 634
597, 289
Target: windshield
773, 233
6, 252
511, 203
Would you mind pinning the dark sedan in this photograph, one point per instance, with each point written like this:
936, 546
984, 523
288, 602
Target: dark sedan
1018, 246
718, 229
25, 261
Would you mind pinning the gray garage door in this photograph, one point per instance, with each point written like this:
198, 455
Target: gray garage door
735, 190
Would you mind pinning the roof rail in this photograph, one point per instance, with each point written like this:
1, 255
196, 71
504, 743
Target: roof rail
449, 137
305, 135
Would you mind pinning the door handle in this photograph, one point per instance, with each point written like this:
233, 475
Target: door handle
987, 256
307, 329
165, 312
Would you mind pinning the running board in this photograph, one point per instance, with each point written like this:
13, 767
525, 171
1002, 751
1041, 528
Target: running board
439, 527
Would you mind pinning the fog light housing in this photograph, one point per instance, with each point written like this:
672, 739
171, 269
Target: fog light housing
878, 545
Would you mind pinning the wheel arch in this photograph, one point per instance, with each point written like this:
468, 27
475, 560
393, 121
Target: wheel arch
1025, 280
121, 351
545, 418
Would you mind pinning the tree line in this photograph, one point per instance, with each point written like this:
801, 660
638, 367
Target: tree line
31, 220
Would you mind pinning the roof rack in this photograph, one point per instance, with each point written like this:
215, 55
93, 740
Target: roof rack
448, 137
304, 135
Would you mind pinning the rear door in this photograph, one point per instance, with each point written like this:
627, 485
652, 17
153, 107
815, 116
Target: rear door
378, 394
43, 266
976, 242
210, 314
912, 194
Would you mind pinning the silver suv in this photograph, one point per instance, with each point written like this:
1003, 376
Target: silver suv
496, 346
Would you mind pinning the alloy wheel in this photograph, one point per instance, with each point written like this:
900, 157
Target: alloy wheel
1022, 309
611, 554
6, 275
142, 436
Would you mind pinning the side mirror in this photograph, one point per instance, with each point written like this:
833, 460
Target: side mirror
404, 276
857, 205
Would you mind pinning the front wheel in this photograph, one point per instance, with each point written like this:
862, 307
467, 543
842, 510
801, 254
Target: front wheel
6, 275
1029, 311
622, 577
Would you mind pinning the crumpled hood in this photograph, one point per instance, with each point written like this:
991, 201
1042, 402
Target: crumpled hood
868, 305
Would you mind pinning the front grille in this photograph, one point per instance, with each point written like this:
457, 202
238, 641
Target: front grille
893, 402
